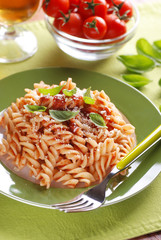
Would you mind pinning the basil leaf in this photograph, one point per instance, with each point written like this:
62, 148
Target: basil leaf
89, 100
51, 91
62, 116
35, 108
157, 44
159, 82
137, 63
87, 97
88, 92
69, 93
136, 80
97, 120
145, 48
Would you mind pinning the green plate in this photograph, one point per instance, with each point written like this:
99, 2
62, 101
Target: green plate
135, 106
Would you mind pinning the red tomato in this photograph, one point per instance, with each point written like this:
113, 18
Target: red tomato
126, 9
71, 23
53, 7
123, 9
115, 26
109, 2
94, 28
110, 6
56, 22
74, 5
89, 8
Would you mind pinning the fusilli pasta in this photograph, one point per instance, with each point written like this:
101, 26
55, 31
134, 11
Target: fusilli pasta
71, 152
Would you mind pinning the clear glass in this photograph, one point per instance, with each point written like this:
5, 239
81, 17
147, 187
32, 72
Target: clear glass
16, 43
92, 50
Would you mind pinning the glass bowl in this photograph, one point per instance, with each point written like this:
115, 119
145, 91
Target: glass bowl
92, 50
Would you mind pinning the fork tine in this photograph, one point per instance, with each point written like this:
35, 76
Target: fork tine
79, 208
73, 205
88, 206
72, 201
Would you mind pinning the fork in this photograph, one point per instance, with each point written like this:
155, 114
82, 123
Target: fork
95, 197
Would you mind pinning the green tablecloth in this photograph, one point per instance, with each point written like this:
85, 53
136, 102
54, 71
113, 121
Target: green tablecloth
136, 216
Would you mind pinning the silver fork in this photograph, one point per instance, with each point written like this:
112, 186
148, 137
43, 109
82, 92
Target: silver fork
95, 197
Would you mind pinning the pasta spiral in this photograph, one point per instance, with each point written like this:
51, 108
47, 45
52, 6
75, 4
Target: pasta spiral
71, 152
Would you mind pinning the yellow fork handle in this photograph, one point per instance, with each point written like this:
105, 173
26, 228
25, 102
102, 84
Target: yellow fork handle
147, 142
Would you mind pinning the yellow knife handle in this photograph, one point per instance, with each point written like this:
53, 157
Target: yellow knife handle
142, 146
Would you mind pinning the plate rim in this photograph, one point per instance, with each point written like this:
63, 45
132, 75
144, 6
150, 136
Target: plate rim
81, 69
93, 72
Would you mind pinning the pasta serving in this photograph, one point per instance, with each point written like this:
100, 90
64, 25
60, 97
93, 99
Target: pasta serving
65, 135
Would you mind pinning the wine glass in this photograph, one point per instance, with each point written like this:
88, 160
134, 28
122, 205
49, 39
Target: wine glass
16, 43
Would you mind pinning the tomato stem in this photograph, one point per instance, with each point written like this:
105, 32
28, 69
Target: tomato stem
92, 25
91, 5
64, 17
124, 16
116, 8
46, 3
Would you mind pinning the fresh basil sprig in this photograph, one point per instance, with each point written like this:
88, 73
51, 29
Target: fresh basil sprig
62, 116
137, 63
136, 80
69, 93
145, 48
97, 120
87, 97
51, 91
35, 108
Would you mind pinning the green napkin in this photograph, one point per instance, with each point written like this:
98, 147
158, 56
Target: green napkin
136, 216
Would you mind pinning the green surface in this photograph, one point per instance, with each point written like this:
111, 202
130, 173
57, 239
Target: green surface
133, 217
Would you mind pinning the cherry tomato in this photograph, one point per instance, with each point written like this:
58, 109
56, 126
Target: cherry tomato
56, 22
89, 8
109, 2
94, 28
110, 6
53, 7
126, 9
74, 5
122, 8
70, 23
115, 26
